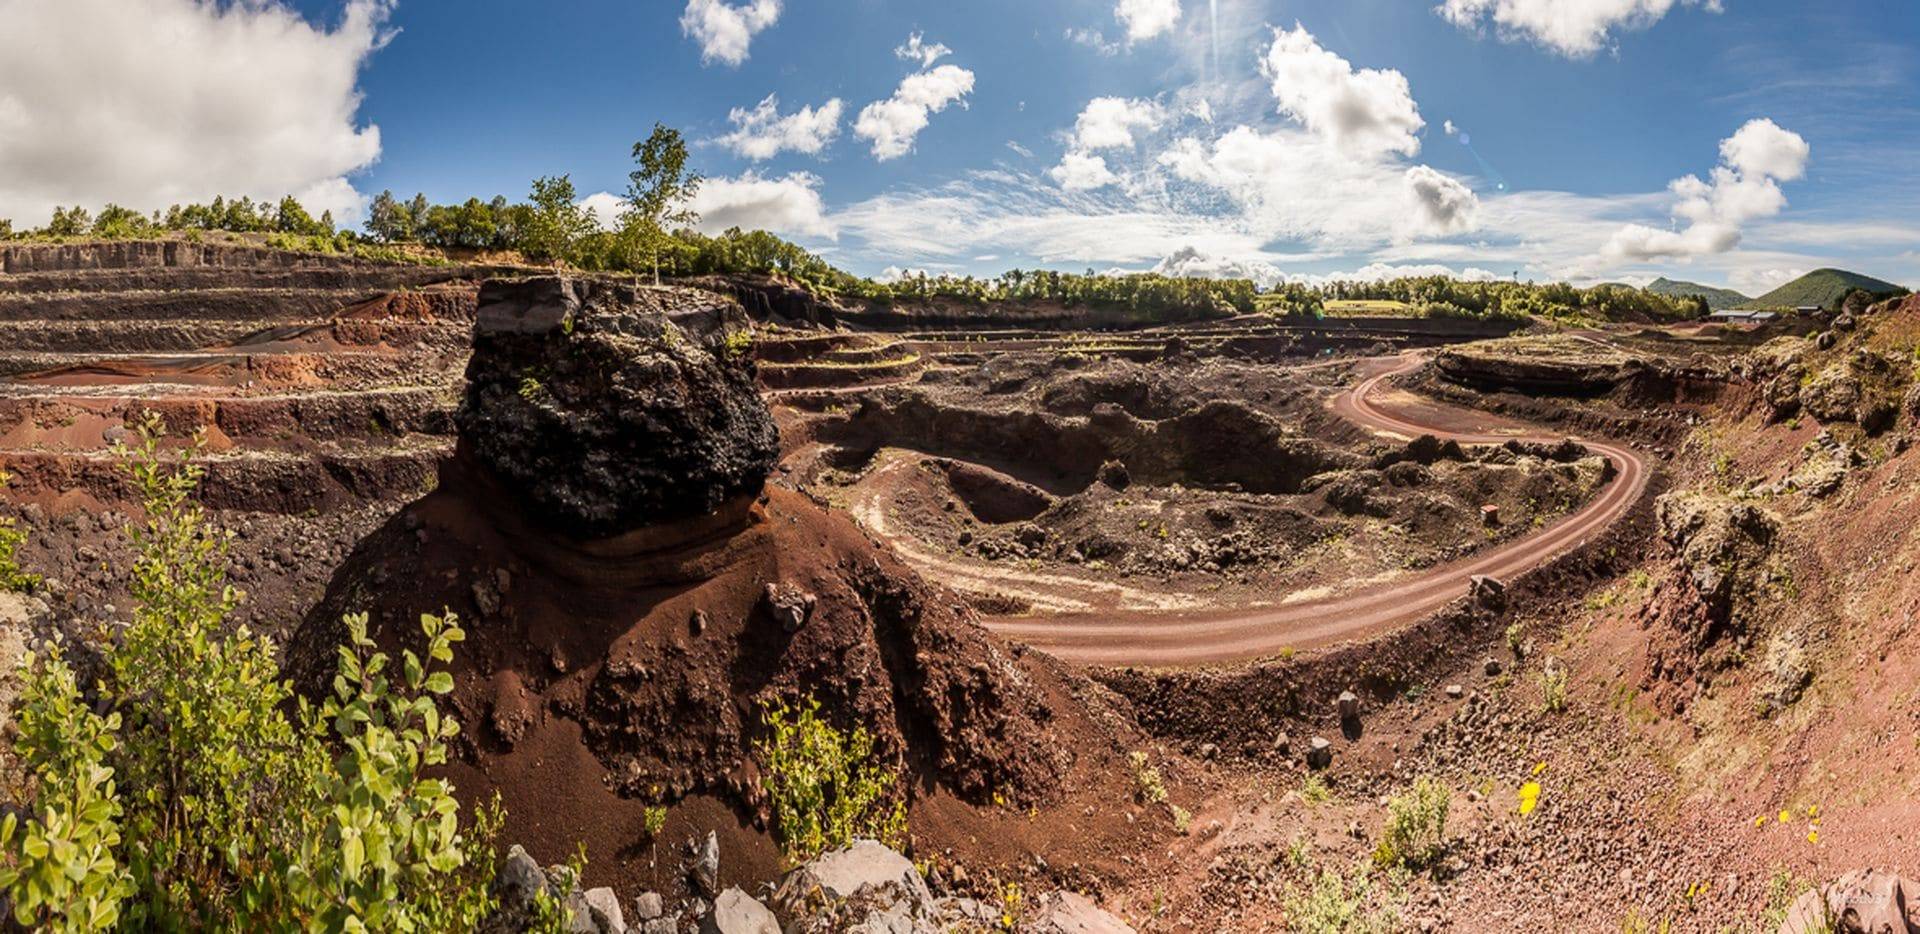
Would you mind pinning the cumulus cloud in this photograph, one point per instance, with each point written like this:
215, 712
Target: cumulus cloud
1368, 111
1745, 186
1105, 123
919, 50
893, 124
1441, 204
1447, 127
180, 100
1189, 263
606, 208
790, 206
764, 132
1145, 19
724, 30
1110, 122
1573, 28
1081, 171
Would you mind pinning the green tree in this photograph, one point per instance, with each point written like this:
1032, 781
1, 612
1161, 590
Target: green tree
387, 220
69, 222
555, 224
291, 217
657, 195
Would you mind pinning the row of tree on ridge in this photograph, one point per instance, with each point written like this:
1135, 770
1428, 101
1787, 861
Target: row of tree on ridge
654, 235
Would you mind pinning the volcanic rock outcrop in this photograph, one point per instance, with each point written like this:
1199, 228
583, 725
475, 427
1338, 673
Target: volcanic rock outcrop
603, 406
635, 595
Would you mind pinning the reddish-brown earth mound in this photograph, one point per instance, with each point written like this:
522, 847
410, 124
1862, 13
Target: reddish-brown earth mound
620, 657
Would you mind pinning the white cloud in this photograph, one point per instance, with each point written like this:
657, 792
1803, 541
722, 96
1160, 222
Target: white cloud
894, 123
1093, 39
724, 30
180, 100
1368, 112
1289, 184
606, 208
1145, 19
1743, 187
1574, 28
1441, 204
1189, 263
919, 50
1758, 282
1080, 171
1110, 122
764, 132
1447, 127
1022, 150
789, 206
1105, 123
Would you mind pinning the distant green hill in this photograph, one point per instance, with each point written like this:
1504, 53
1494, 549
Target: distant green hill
1717, 299
1822, 287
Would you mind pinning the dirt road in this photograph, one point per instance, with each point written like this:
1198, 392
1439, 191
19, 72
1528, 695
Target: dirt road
1222, 635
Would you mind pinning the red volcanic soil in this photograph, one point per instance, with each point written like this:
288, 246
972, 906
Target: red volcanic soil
599, 679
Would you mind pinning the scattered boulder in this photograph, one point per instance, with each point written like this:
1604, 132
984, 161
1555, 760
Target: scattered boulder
736, 912
705, 871
1488, 594
1073, 913
789, 606
1864, 901
1319, 753
1349, 706
1114, 474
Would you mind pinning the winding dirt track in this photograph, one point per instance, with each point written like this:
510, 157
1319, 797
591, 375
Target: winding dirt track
1223, 635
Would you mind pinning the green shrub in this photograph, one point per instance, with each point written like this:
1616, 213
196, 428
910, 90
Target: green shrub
62, 867
12, 578
1416, 826
1335, 904
206, 797
827, 790
1314, 790
1148, 785
1553, 687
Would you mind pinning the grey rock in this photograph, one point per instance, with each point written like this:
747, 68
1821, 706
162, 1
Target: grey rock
706, 866
648, 906
603, 906
1455, 691
1319, 753
1491, 667
1073, 913
842, 874
1349, 706
736, 912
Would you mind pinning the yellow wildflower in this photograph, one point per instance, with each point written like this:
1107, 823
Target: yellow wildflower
1542, 767
1786, 817
1529, 797
1760, 821
1813, 836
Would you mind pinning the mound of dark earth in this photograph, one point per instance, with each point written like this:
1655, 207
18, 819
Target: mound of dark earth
625, 634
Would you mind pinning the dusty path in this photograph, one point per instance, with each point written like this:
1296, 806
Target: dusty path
1151, 638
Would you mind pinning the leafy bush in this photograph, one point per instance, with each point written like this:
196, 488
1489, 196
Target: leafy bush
1416, 826
62, 867
1148, 786
12, 578
1553, 687
1335, 904
827, 789
237, 814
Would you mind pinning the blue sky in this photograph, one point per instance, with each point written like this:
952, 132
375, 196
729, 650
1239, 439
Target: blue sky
1327, 150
